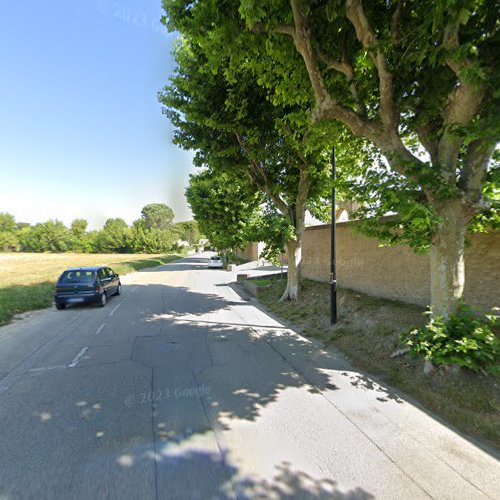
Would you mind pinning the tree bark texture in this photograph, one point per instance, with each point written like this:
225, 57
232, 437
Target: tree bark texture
447, 263
294, 275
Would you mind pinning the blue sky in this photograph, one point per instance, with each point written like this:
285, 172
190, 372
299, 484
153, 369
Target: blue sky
81, 130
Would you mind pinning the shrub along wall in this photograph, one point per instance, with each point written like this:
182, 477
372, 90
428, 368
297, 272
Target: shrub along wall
397, 272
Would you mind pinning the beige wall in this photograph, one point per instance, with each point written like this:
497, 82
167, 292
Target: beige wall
251, 252
397, 272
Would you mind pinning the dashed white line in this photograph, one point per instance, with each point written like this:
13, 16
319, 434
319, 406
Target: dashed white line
78, 357
38, 355
114, 310
45, 368
99, 330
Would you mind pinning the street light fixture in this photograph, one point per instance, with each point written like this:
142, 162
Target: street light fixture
333, 270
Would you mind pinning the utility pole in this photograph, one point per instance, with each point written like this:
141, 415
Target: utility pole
333, 270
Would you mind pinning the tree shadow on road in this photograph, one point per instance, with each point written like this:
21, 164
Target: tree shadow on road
251, 369
217, 478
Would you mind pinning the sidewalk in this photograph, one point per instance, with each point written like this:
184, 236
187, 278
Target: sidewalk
429, 453
258, 268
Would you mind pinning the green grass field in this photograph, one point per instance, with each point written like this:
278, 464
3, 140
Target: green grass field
27, 279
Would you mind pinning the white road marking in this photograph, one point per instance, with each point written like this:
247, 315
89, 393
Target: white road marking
38, 355
78, 357
45, 368
114, 310
98, 331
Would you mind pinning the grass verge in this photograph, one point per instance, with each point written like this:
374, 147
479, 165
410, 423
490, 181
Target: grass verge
27, 280
262, 281
368, 332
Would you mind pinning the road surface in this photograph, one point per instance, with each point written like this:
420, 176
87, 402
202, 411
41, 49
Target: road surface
181, 389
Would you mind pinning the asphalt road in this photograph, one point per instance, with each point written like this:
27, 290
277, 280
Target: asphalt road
180, 388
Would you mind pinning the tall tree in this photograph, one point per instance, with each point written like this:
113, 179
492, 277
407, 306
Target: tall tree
415, 81
8, 230
157, 216
81, 242
222, 208
236, 130
151, 240
114, 237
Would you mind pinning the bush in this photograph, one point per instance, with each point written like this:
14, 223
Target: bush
465, 339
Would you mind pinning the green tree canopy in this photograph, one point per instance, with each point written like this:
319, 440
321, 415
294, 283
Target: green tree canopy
188, 231
114, 237
222, 208
82, 242
157, 216
410, 90
79, 227
8, 230
237, 131
7, 222
151, 240
50, 236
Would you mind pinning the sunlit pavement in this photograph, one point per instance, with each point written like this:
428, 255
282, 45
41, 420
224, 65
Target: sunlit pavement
180, 388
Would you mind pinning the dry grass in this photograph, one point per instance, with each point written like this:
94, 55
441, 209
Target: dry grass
35, 268
27, 279
368, 332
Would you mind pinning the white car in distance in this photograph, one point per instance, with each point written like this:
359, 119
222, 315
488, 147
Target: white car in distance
215, 262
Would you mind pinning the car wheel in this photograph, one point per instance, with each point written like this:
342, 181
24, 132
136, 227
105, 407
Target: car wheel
60, 306
118, 289
103, 300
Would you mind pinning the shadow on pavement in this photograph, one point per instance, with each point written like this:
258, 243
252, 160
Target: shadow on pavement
221, 481
244, 369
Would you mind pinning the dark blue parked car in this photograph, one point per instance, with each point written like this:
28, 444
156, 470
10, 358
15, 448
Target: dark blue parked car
86, 284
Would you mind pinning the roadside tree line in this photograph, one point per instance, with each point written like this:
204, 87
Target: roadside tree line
406, 91
153, 232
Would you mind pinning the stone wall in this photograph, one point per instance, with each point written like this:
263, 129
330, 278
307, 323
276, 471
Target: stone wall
397, 272
251, 252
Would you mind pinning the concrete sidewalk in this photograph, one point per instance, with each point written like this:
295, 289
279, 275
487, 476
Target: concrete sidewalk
259, 268
424, 447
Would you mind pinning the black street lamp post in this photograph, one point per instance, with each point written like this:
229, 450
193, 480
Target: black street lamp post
333, 270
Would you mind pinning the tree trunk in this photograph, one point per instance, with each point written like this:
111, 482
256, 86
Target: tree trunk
294, 275
447, 260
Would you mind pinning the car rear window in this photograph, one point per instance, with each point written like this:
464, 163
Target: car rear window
77, 277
